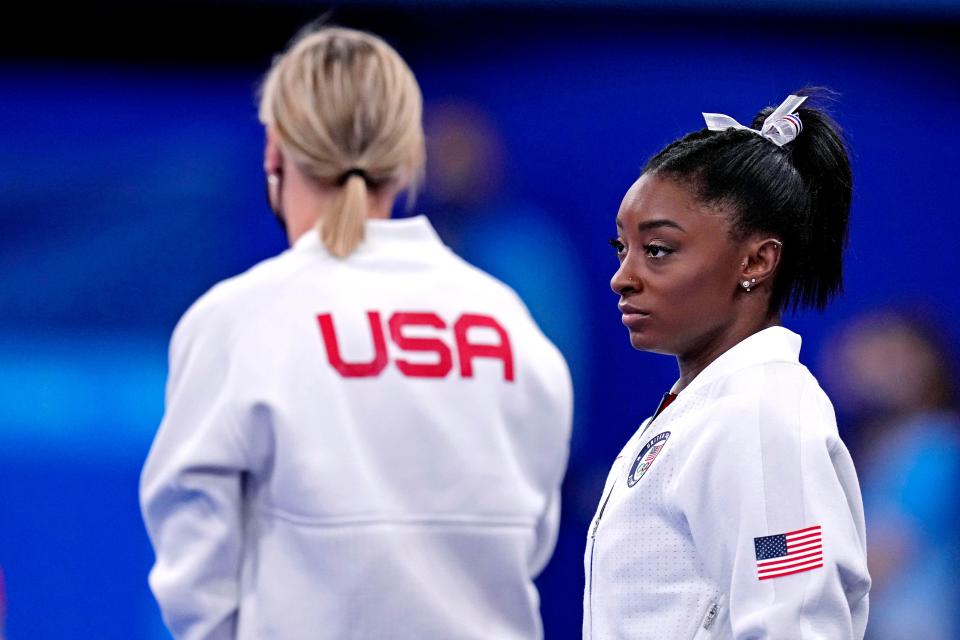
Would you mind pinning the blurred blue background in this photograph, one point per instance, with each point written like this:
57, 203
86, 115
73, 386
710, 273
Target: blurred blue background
131, 182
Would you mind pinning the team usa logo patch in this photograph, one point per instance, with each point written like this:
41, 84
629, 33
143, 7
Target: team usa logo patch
646, 457
788, 553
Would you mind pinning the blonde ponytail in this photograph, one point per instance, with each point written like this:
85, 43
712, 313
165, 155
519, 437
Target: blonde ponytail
342, 229
348, 111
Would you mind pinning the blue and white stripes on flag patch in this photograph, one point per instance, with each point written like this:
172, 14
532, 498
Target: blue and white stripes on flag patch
788, 553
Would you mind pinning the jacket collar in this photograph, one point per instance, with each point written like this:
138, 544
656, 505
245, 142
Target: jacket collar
774, 344
416, 230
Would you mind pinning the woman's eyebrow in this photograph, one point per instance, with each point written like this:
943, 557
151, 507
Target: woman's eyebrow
656, 224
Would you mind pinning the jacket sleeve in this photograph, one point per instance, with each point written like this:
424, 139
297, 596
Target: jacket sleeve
191, 487
771, 465
548, 528
557, 412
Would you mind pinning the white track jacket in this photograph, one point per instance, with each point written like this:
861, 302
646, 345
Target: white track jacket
369, 447
736, 513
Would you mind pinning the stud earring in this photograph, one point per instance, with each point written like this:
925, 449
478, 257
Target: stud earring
746, 285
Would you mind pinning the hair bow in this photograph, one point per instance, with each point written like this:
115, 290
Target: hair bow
780, 127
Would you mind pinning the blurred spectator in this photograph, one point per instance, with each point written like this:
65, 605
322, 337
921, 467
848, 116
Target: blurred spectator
892, 378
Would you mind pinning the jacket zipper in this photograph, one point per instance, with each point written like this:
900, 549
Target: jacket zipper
593, 544
596, 524
711, 616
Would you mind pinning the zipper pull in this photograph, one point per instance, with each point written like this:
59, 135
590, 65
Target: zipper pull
711, 615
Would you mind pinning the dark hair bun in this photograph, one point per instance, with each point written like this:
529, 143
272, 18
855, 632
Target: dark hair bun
799, 192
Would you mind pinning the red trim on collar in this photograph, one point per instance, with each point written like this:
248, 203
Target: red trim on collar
665, 402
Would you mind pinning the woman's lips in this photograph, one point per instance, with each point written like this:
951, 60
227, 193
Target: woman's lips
633, 317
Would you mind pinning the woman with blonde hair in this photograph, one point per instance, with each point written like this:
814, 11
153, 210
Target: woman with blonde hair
364, 436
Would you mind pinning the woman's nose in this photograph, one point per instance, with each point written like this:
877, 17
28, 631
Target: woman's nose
622, 281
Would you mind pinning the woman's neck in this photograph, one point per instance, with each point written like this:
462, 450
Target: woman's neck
699, 358
305, 202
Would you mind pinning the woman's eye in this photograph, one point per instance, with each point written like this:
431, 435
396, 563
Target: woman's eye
617, 246
657, 250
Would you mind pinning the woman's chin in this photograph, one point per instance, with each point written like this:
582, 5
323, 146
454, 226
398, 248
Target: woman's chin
642, 341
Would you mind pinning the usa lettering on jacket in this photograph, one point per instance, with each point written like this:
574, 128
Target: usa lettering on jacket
467, 349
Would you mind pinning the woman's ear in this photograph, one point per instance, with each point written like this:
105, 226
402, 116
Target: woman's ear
760, 260
272, 155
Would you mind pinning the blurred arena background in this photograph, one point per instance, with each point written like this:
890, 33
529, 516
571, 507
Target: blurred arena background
131, 182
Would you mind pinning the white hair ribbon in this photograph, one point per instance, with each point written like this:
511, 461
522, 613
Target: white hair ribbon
780, 127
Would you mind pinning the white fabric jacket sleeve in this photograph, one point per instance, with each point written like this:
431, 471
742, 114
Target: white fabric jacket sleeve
558, 412
766, 469
191, 487
546, 535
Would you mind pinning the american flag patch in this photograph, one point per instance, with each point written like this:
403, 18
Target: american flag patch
788, 553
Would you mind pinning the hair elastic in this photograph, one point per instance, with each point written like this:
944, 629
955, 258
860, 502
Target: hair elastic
780, 127
353, 171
